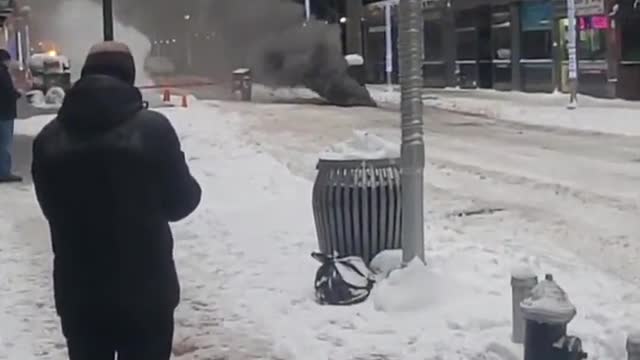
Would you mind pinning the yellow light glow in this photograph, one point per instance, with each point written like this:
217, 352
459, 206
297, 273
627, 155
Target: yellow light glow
52, 53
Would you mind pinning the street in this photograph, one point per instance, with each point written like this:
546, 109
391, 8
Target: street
567, 182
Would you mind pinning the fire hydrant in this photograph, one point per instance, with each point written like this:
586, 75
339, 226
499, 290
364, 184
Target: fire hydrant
242, 84
547, 313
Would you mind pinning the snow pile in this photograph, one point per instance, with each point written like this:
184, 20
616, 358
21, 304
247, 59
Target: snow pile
385, 262
548, 303
413, 288
55, 96
520, 271
363, 145
354, 59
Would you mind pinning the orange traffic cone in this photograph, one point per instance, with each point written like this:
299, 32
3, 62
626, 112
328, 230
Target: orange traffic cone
166, 96
185, 103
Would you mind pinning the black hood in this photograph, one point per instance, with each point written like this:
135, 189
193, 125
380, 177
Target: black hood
97, 103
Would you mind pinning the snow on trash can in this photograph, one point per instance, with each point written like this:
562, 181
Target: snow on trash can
356, 68
357, 207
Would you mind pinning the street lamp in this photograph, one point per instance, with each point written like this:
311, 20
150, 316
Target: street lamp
187, 18
413, 150
307, 9
107, 18
573, 58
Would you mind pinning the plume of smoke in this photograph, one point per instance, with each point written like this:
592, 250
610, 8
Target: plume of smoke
270, 37
75, 25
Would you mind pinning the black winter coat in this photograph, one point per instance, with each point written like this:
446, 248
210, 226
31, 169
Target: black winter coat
8, 95
110, 176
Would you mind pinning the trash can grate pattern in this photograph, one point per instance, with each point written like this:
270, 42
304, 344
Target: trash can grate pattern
356, 206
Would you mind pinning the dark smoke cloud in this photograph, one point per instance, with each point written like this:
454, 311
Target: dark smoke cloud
267, 36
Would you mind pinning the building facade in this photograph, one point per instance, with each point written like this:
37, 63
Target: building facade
521, 45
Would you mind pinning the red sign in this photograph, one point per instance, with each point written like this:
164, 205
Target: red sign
594, 22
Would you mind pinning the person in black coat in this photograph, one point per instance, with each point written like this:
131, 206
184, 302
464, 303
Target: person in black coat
110, 176
8, 113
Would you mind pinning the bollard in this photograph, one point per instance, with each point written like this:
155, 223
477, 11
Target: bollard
547, 313
633, 346
523, 280
242, 84
185, 101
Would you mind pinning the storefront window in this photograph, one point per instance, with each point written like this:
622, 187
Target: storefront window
433, 40
536, 44
536, 30
467, 42
465, 19
501, 33
592, 44
630, 39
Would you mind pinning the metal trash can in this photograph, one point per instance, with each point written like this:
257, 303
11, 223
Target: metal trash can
357, 207
242, 84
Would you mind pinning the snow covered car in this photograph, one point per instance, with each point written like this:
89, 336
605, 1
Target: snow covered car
50, 71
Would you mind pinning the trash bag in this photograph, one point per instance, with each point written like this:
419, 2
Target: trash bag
342, 280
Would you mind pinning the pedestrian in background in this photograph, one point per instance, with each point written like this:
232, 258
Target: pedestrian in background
8, 113
110, 176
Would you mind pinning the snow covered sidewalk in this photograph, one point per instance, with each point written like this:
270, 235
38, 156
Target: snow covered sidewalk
247, 275
618, 117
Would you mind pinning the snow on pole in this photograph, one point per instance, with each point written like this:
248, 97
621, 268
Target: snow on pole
27, 42
388, 45
573, 58
19, 47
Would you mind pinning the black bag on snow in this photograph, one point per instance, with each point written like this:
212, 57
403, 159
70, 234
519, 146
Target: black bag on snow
342, 280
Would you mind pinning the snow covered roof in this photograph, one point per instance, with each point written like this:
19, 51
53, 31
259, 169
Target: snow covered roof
38, 60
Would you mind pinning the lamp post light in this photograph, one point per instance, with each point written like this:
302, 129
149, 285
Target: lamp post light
413, 149
187, 44
573, 58
107, 18
307, 9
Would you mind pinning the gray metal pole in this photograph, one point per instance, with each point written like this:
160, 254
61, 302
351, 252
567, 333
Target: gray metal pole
413, 155
107, 18
188, 39
388, 45
573, 58
307, 9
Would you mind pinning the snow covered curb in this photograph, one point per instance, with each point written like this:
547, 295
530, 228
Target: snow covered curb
615, 117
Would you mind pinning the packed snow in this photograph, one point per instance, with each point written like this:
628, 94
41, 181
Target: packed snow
363, 145
595, 115
548, 303
248, 278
